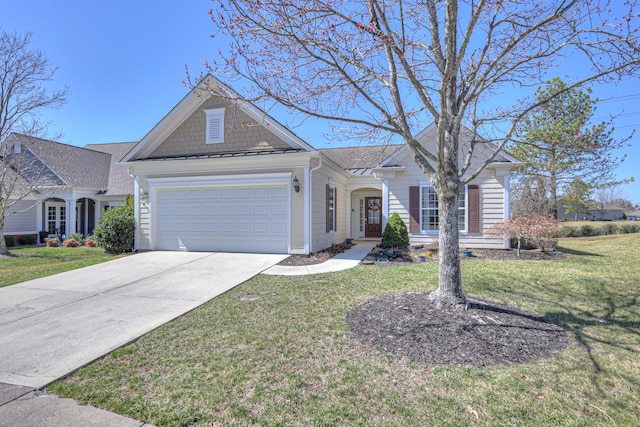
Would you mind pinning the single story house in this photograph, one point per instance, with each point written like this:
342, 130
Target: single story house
74, 185
219, 174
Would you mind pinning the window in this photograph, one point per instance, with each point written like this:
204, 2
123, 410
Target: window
215, 125
429, 220
331, 208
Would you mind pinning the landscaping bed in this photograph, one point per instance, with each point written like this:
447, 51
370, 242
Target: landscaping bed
485, 334
421, 253
316, 257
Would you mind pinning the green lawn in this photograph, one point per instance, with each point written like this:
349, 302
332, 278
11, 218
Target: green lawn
32, 263
287, 357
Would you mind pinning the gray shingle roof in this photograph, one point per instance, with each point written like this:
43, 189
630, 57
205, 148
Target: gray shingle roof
76, 166
120, 183
363, 157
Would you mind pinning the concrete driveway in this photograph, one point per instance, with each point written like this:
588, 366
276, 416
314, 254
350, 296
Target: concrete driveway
51, 326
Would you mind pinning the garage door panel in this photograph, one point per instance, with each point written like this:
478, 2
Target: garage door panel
240, 219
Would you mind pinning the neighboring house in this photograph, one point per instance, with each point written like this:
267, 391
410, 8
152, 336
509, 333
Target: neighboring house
219, 174
80, 184
598, 212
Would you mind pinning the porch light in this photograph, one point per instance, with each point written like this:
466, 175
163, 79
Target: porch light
296, 184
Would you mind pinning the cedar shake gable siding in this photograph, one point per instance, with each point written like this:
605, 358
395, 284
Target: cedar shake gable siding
241, 134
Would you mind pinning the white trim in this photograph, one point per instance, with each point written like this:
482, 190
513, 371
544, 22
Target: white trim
307, 209
507, 206
436, 232
216, 114
385, 203
190, 104
136, 211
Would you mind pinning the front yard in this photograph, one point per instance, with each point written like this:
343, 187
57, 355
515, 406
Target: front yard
277, 351
32, 263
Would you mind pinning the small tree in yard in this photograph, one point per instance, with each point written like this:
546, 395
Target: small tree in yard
24, 76
387, 69
116, 230
395, 233
541, 230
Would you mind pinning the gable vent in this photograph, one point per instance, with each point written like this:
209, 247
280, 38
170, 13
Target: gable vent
215, 126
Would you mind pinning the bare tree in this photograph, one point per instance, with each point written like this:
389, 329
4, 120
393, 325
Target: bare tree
24, 75
389, 68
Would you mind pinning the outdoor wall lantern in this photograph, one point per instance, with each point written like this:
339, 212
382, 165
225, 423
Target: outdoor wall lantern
296, 184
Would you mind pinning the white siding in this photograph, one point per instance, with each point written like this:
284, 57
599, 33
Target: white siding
21, 222
320, 238
491, 196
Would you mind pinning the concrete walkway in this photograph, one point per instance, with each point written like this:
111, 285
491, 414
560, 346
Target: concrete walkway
348, 259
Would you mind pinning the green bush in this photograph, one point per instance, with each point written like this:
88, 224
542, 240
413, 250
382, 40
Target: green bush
569, 231
27, 240
77, 237
9, 241
395, 233
116, 230
610, 229
589, 230
629, 228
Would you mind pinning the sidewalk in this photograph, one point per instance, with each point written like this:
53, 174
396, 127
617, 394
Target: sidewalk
21, 406
344, 261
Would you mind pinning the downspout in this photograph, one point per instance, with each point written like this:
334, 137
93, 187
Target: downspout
308, 204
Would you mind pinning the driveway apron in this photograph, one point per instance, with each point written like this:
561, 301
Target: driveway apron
51, 326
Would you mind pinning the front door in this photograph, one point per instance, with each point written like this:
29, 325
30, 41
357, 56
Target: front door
373, 217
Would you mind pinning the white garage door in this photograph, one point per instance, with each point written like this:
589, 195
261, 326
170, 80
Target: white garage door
223, 219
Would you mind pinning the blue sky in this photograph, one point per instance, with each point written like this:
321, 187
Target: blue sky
124, 62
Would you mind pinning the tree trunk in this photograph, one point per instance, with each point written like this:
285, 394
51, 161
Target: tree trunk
3, 243
449, 292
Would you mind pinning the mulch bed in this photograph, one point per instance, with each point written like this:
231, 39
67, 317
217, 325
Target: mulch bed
487, 333
316, 257
411, 254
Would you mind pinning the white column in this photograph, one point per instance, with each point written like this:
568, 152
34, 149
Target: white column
349, 220
385, 202
136, 211
85, 231
70, 226
306, 189
97, 212
39, 219
507, 206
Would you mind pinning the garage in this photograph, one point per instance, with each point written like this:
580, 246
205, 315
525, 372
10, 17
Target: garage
223, 218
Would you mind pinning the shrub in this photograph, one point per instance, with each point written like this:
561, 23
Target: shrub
77, 236
610, 228
10, 241
115, 230
568, 231
52, 242
90, 242
629, 228
27, 240
395, 233
71, 243
533, 232
589, 230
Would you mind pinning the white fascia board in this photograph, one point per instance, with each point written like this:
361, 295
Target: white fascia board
166, 126
209, 165
393, 156
507, 166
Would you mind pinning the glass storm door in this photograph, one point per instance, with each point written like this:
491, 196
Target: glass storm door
56, 217
373, 217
